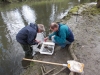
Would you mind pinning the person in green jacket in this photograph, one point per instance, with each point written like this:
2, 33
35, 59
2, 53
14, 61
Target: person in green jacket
61, 34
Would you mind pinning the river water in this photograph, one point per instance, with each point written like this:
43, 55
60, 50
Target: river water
15, 16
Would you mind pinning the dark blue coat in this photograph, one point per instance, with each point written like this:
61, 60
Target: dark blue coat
27, 34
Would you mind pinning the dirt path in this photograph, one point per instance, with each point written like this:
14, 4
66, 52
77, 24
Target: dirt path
87, 41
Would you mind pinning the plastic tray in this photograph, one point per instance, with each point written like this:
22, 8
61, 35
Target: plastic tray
47, 48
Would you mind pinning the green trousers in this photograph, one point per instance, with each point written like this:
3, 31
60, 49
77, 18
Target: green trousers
28, 49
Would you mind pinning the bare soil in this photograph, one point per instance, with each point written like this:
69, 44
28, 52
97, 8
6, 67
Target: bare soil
86, 29
59, 56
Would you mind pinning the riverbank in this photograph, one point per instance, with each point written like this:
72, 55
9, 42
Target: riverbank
85, 23
85, 26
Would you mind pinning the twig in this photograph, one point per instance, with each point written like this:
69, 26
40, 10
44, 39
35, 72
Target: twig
49, 71
60, 71
42, 71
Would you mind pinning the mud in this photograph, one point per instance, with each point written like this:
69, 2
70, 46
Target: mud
86, 46
59, 56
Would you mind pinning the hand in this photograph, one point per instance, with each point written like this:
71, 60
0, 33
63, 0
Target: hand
53, 37
38, 41
45, 39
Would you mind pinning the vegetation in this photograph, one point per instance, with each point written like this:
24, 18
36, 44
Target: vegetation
92, 11
74, 10
12, 1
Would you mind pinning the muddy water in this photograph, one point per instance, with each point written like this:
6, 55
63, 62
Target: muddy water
15, 16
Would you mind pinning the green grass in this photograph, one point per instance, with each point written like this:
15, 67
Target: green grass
75, 9
93, 10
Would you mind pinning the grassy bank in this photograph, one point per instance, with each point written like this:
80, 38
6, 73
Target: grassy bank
83, 10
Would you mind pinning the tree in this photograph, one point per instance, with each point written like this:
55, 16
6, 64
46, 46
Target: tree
98, 3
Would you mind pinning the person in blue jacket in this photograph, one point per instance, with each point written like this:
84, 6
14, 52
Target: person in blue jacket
61, 34
27, 35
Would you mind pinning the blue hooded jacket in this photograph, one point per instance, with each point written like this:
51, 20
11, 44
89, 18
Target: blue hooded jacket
27, 34
64, 33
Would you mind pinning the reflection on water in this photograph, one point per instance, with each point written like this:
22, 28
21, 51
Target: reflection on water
52, 16
11, 21
14, 23
79, 1
63, 13
28, 14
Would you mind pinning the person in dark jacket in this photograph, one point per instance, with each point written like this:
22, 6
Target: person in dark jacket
62, 35
27, 35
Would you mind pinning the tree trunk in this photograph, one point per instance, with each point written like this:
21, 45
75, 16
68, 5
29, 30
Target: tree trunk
98, 3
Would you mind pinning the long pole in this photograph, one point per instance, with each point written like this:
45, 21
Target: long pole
52, 63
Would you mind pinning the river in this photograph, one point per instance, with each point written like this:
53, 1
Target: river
17, 15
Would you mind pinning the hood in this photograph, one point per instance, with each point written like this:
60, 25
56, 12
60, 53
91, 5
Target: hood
34, 26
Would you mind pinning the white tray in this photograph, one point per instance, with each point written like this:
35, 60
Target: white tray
49, 50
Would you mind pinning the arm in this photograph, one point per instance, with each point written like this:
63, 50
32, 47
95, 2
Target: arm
31, 38
54, 33
49, 37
